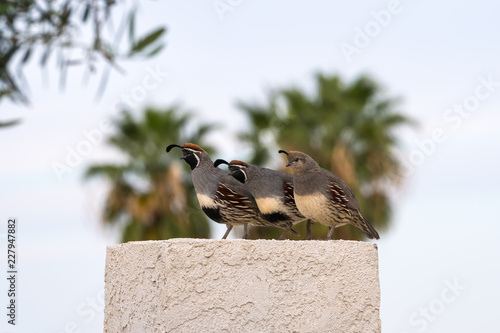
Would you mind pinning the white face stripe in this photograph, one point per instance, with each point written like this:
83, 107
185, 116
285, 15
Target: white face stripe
237, 166
191, 150
195, 154
197, 159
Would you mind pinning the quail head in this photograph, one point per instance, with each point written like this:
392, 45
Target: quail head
322, 196
222, 198
273, 192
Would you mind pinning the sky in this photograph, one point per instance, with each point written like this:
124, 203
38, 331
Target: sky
439, 262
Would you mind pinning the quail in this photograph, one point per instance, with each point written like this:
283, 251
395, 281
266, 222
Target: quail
323, 197
273, 192
221, 197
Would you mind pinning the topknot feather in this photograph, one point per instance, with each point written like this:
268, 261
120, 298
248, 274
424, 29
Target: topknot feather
238, 162
192, 146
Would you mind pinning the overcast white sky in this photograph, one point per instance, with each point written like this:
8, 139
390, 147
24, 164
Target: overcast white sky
431, 54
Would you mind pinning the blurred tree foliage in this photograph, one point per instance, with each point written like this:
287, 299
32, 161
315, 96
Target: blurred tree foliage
348, 128
150, 196
74, 32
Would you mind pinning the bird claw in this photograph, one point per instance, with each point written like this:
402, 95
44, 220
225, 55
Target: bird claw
245, 231
228, 230
330, 233
309, 230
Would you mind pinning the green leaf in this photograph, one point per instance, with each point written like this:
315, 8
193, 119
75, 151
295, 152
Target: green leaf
86, 13
26, 55
146, 41
106, 170
65, 15
10, 123
45, 55
4, 8
131, 26
155, 50
4, 60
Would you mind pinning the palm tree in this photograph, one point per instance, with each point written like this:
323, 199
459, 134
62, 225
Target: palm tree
347, 128
149, 196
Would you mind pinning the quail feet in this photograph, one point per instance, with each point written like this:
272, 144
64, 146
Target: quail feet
283, 235
308, 230
228, 230
288, 229
245, 231
330, 233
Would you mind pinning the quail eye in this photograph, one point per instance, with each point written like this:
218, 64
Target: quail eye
296, 159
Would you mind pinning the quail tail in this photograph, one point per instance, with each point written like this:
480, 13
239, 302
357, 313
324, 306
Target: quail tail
371, 232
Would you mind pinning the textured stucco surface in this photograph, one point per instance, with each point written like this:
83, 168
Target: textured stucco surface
194, 285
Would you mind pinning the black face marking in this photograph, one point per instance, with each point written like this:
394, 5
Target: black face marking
192, 160
276, 217
212, 213
240, 175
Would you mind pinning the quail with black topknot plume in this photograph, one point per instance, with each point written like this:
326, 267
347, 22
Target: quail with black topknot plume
323, 197
222, 198
273, 192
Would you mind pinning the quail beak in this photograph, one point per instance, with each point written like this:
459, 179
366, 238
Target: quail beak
288, 164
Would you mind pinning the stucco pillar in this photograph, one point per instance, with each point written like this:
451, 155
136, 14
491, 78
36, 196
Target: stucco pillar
199, 285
